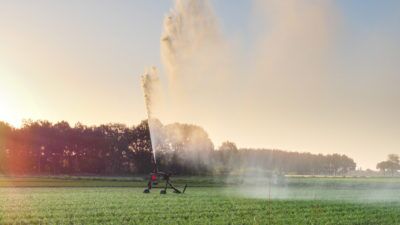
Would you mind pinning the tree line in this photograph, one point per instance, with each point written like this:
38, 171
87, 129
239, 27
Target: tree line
42, 147
390, 166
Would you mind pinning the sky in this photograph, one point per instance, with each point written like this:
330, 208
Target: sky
82, 60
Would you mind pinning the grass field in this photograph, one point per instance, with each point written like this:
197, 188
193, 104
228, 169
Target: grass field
75, 200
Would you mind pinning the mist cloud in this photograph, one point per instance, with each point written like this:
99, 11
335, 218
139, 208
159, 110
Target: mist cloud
296, 90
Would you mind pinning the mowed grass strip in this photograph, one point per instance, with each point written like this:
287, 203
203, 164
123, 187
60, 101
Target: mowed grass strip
69, 182
88, 181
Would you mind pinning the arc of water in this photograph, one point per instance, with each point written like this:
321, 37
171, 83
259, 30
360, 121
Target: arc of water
148, 82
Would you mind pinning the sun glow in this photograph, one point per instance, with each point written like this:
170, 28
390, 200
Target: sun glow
9, 110
8, 113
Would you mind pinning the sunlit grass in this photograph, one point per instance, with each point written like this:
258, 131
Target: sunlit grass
215, 204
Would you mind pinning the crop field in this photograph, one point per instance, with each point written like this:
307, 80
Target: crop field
207, 201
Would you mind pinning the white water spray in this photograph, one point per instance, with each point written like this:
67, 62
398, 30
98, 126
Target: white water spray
151, 85
191, 43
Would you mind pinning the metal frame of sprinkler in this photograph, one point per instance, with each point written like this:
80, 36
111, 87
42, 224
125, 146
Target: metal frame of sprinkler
155, 174
166, 177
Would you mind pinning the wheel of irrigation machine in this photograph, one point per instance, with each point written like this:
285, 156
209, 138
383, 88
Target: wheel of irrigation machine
163, 192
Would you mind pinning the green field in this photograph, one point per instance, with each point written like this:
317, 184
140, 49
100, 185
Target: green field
77, 200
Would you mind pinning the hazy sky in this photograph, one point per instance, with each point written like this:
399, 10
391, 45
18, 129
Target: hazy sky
82, 60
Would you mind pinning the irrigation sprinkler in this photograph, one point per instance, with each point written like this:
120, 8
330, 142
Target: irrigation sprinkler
156, 175
148, 80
